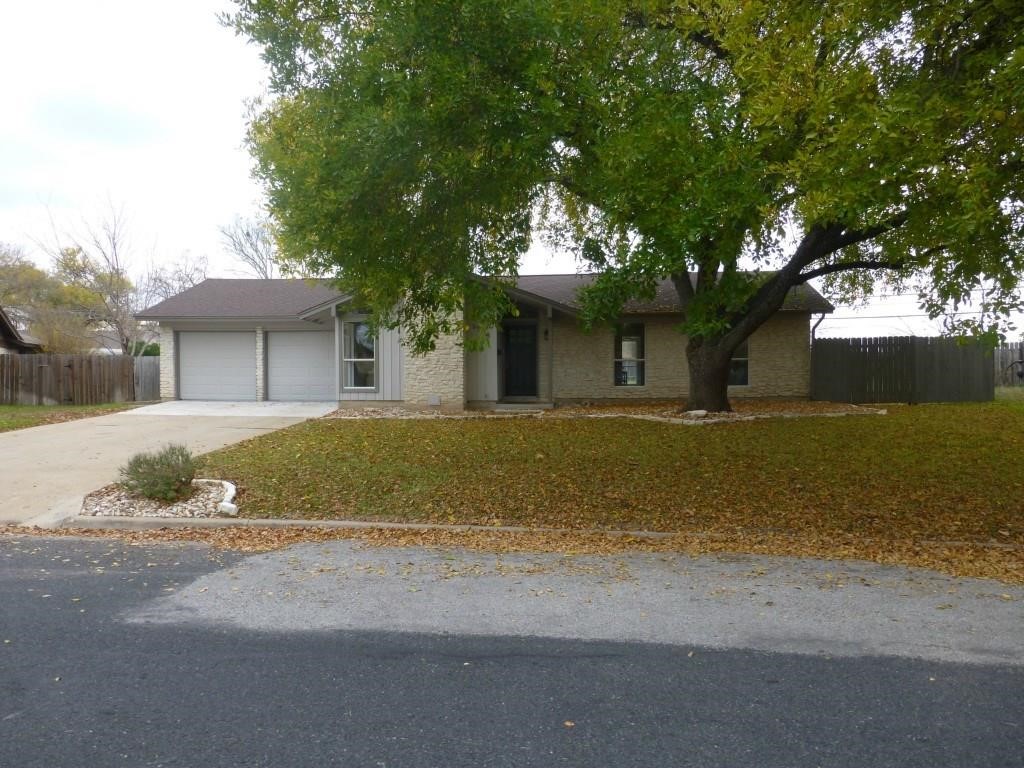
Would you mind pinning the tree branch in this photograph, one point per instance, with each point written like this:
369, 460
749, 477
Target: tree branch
847, 266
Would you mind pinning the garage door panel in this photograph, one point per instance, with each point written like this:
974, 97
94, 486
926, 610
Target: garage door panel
300, 365
217, 365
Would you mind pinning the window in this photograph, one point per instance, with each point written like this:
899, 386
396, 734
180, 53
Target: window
357, 355
629, 355
739, 366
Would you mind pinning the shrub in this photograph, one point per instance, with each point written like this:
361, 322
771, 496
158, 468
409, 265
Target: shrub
164, 476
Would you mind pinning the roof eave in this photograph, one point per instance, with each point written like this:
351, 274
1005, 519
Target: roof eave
218, 318
329, 304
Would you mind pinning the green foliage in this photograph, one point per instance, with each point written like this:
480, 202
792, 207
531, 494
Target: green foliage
411, 145
144, 349
165, 475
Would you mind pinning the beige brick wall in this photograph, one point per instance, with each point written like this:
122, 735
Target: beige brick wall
168, 365
584, 362
780, 358
780, 361
437, 375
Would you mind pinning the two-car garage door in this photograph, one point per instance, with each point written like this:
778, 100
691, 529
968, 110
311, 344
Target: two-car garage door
221, 365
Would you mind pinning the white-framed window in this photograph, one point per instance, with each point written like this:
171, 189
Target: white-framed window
739, 366
629, 355
358, 355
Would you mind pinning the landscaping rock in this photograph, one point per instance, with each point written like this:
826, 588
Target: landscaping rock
210, 499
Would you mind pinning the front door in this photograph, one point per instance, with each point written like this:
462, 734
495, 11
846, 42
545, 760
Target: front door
521, 361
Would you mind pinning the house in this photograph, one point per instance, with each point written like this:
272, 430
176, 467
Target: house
12, 340
302, 340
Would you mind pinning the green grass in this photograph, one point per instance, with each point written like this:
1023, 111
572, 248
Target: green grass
922, 472
24, 416
1010, 395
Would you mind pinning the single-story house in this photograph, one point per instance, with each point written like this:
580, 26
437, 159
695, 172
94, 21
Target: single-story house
13, 340
300, 340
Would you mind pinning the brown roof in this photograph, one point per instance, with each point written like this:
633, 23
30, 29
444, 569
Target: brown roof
14, 338
245, 298
289, 298
564, 290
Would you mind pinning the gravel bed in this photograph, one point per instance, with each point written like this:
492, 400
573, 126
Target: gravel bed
115, 501
669, 412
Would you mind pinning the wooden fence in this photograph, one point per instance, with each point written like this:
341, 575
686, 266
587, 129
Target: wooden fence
1005, 356
77, 379
901, 369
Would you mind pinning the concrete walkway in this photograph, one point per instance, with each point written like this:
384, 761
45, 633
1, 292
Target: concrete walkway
46, 471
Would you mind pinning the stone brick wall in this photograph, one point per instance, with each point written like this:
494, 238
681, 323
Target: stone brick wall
261, 375
780, 361
436, 378
168, 365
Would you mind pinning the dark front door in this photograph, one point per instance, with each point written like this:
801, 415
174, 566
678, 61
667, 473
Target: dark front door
521, 361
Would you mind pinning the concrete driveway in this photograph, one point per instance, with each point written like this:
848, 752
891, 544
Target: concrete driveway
46, 471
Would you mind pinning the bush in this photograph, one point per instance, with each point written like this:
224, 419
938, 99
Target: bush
164, 476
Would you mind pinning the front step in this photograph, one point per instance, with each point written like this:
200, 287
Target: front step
523, 406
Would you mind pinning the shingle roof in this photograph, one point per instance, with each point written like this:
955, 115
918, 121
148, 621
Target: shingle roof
20, 341
564, 290
288, 298
245, 298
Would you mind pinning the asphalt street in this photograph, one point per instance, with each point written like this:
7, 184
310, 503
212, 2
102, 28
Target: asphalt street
115, 655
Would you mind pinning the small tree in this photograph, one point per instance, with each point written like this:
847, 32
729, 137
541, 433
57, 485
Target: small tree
165, 475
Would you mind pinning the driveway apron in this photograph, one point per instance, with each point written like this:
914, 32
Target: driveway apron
46, 471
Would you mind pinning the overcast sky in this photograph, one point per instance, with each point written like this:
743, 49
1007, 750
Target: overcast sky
142, 105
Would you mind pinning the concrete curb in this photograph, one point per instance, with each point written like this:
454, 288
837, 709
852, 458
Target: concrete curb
108, 522
153, 523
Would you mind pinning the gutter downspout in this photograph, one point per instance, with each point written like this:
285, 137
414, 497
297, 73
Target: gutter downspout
815, 326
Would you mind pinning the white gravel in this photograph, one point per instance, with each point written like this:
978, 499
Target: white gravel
115, 501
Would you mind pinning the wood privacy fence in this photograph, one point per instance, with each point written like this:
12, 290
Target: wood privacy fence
1007, 376
78, 379
901, 369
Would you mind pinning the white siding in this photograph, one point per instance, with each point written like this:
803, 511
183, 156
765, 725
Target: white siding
300, 365
217, 365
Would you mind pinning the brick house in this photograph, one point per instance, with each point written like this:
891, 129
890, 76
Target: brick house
302, 340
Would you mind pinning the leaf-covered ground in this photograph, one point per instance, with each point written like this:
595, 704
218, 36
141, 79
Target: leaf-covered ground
23, 416
943, 481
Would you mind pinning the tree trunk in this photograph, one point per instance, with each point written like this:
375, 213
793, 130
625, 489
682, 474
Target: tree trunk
709, 375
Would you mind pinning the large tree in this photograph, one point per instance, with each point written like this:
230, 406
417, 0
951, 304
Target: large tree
739, 148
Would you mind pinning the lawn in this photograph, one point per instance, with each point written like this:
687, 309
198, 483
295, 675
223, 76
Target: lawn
23, 416
945, 475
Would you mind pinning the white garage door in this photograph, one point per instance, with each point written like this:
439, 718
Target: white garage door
217, 365
300, 365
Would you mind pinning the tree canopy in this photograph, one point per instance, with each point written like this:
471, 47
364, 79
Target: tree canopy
738, 147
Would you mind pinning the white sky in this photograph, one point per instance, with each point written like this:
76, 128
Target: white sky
142, 105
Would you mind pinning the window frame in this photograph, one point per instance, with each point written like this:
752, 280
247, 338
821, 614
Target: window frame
347, 361
744, 347
618, 359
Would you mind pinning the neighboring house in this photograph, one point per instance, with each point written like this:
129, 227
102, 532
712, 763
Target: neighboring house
12, 340
301, 340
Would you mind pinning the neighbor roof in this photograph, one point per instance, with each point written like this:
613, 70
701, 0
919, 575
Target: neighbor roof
290, 298
11, 335
564, 290
244, 298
